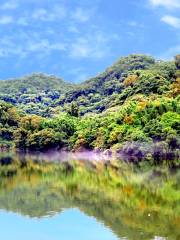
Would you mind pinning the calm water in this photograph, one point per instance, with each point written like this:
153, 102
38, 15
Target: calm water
70, 224
89, 201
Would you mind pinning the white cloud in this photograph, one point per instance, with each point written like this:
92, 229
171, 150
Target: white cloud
171, 20
73, 28
8, 47
42, 14
9, 5
81, 49
93, 46
23, 21
4, 20
170, 4
82, 15
135, 24
81, 77
44, 46
170, 53
78, 74
40, 47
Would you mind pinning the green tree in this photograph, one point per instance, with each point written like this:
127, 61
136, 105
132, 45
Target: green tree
177, 61
73, 109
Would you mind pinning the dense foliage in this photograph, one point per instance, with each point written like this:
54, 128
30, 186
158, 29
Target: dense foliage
132, 108
129, 76
33, 93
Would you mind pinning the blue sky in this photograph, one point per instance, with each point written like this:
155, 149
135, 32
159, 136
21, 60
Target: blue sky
77, 39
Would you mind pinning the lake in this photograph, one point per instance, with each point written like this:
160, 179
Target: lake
83, 199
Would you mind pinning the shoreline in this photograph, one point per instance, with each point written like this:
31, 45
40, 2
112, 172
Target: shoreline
126, 155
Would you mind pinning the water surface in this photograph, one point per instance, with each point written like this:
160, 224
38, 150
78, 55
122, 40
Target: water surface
70, 224
87, 200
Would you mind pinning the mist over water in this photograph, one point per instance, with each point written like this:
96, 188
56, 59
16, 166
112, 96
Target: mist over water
61, 156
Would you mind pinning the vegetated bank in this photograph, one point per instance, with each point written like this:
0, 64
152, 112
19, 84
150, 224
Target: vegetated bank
133, 109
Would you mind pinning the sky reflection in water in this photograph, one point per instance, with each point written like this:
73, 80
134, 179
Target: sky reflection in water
70, 224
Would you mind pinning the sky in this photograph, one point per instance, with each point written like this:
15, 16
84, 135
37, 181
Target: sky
77, 39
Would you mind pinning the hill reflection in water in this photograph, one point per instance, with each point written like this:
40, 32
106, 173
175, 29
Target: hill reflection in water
134, 202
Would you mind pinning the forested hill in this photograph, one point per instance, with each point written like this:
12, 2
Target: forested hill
33, 93
135, 74
132, 108
131, 75
34, 83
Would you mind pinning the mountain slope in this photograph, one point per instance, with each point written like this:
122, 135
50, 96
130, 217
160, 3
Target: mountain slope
133, 108
131, 75
33, 84
135, 74
33, 93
